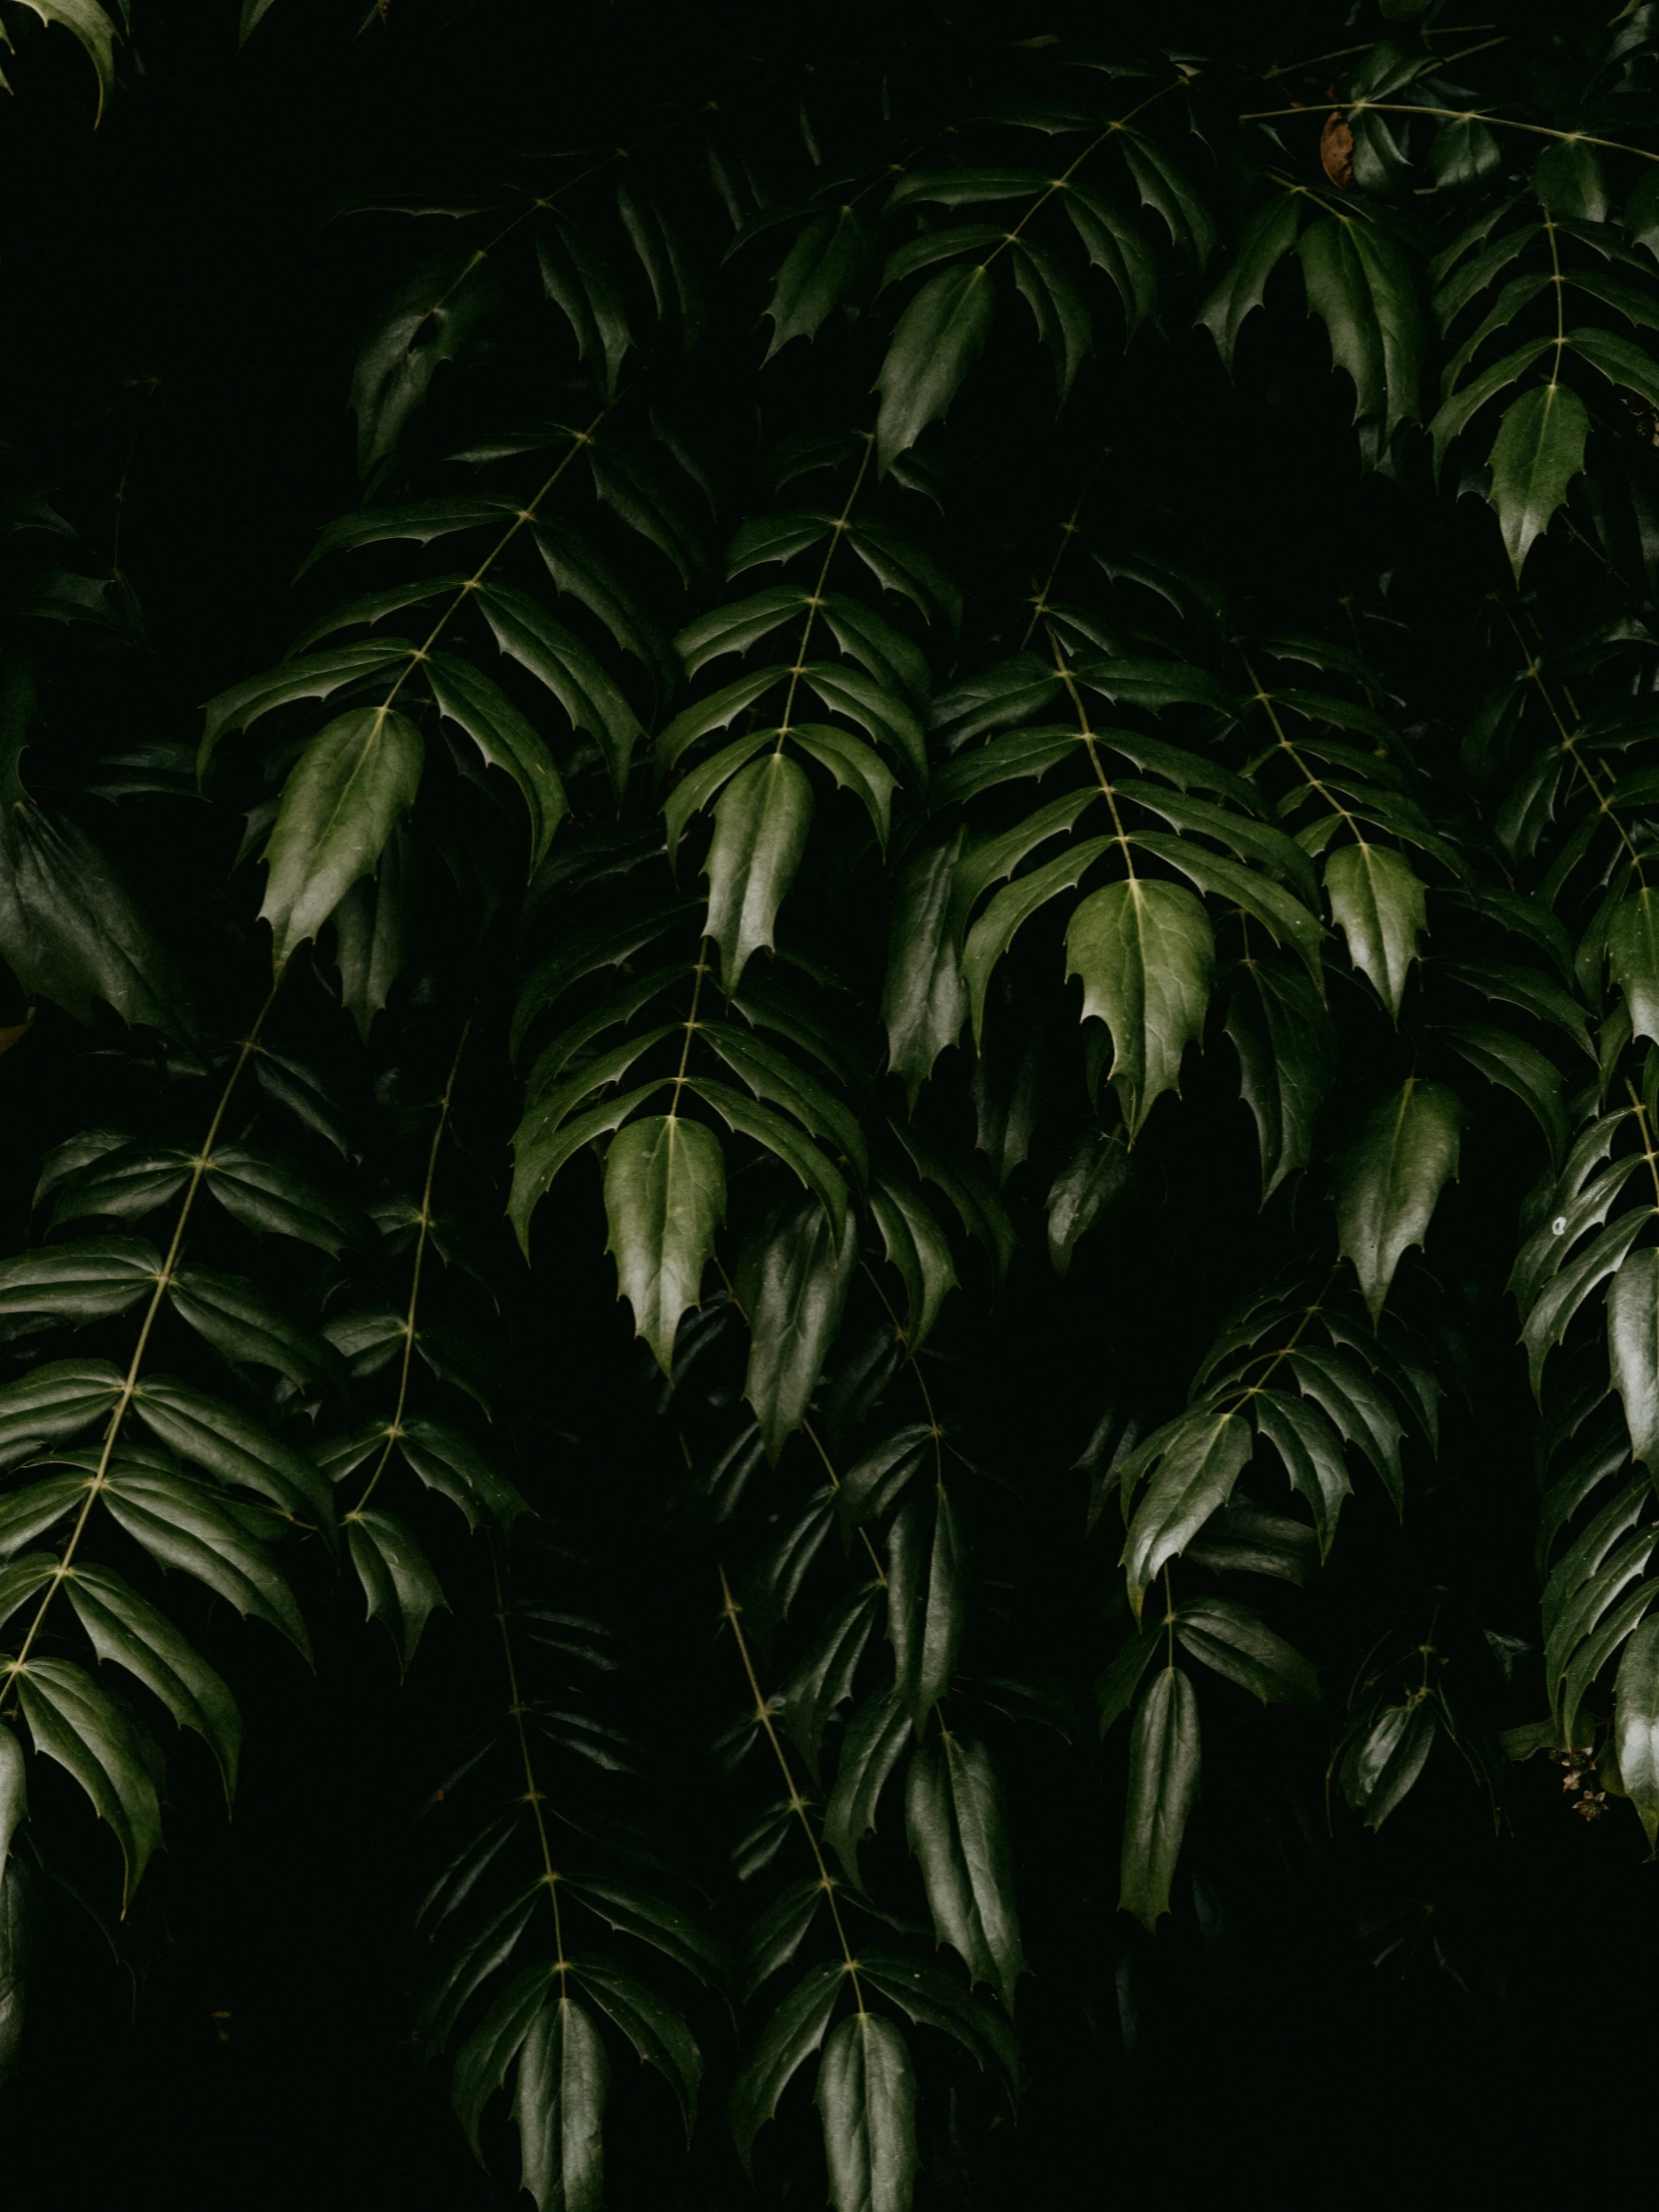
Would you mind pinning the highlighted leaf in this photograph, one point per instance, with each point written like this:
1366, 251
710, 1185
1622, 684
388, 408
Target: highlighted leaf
939, 337
339, 802
665, 1196
1146, 954
760, 823
1163, 1788
1538, 451
1389, 1178
866, 2093
1379, 904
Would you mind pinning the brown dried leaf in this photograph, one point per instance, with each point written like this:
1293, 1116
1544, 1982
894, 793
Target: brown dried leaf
1336, 150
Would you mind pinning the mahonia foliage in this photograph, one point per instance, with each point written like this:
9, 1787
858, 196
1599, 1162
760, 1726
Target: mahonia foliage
781, 774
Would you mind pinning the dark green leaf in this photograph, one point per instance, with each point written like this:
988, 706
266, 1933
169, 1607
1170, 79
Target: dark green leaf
876, 1740
957, 1822
1145, 952
1538, 451
1096, 1176
1389, 1178
939, 337
802, 1283
74, 1722
830, 263
88, 1280
1194, 1478
339, 802
788, 2038
1286, 1051
761, 825
559, 2109
1379, 905
866, 2094
1636, 1725
665, 1197
240, 1321
1163, 1788
655, 2028
1234, 1641
927, 1574
399, 1582
51, 1403
503, 737
213, 1435
127, 1631
1267, 236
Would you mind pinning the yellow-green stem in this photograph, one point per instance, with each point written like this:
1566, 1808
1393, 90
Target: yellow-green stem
797, 1804
395, 1427
12, 1668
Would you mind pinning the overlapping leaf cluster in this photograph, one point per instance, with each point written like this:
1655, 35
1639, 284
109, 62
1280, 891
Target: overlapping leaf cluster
860, 829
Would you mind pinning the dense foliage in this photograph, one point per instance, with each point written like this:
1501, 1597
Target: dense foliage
972, 727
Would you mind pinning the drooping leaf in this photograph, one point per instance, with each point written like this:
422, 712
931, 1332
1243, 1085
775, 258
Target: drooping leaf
956, 1819
1286, 1043
232, 1446
1232, 1641
801, 1290
1194, 1478
1636, 1725
1519, 1067
920, 1250
761, 825
76, 1723
876, 1740
1538, 451
427, 322
927, 1574
17, 1942
1096, 1176
559, 2109
339, 802
1163, 1788
1379, 905
1633, 1350
665, 1196
503, 736
821, 1679
1385, 1760
88, 1280
924, 1001
71, 930
126, 1630
1145, 952
831, 260
939, 338
655, 2028
271, 1193
866, 2094
239, 1320
788, 2038
399, 1581
1311, 1446
1633, 954
1267, 236
450, 1464
1389, 1178
186, 1525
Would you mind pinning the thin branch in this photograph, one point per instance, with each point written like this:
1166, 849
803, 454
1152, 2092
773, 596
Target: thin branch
797, 1804
394, 1428
12, 1668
